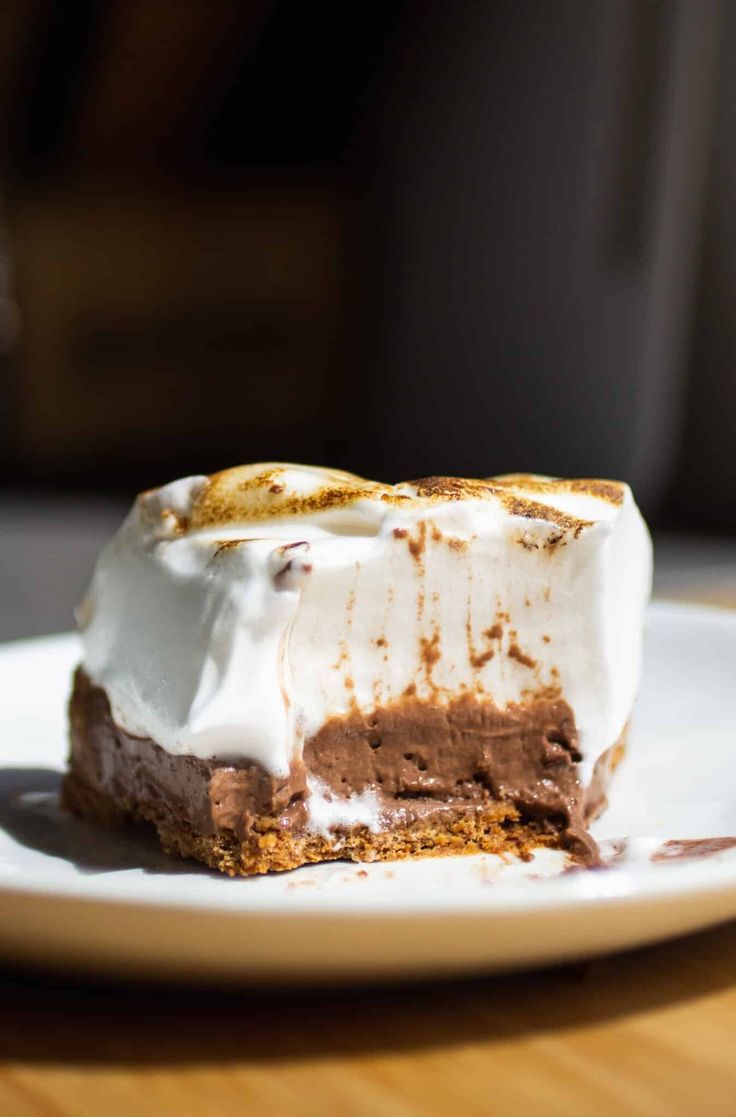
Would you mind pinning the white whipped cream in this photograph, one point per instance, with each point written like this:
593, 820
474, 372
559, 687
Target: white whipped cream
232, 616
328, 811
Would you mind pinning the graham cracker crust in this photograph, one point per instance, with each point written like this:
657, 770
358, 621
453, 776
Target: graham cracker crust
437, 773
495, 828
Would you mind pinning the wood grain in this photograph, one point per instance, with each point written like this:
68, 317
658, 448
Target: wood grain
652, 1032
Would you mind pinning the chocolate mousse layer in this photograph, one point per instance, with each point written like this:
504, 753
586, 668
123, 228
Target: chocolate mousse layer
137, 777
430, 766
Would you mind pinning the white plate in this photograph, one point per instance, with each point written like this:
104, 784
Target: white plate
71, 894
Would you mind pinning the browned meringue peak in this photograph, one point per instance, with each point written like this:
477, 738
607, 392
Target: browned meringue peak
268, 490
262, 643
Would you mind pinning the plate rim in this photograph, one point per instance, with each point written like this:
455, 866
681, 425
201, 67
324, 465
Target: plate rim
557, 895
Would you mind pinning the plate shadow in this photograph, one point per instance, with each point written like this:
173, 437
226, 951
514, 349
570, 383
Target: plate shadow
79, 1023
31, 814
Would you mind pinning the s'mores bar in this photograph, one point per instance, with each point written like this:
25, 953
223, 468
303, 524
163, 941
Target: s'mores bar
286, 664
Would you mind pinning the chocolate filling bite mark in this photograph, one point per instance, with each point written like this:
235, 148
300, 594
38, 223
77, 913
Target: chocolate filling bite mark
421, 760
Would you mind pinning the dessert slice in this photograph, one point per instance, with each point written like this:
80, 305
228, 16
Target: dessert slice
285, 664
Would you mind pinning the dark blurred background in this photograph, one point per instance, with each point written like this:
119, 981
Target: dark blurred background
400, 238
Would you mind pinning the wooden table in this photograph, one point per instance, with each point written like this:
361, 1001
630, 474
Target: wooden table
650, 1032
653, 1032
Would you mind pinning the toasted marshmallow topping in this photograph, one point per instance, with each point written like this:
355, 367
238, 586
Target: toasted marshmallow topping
232, 615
